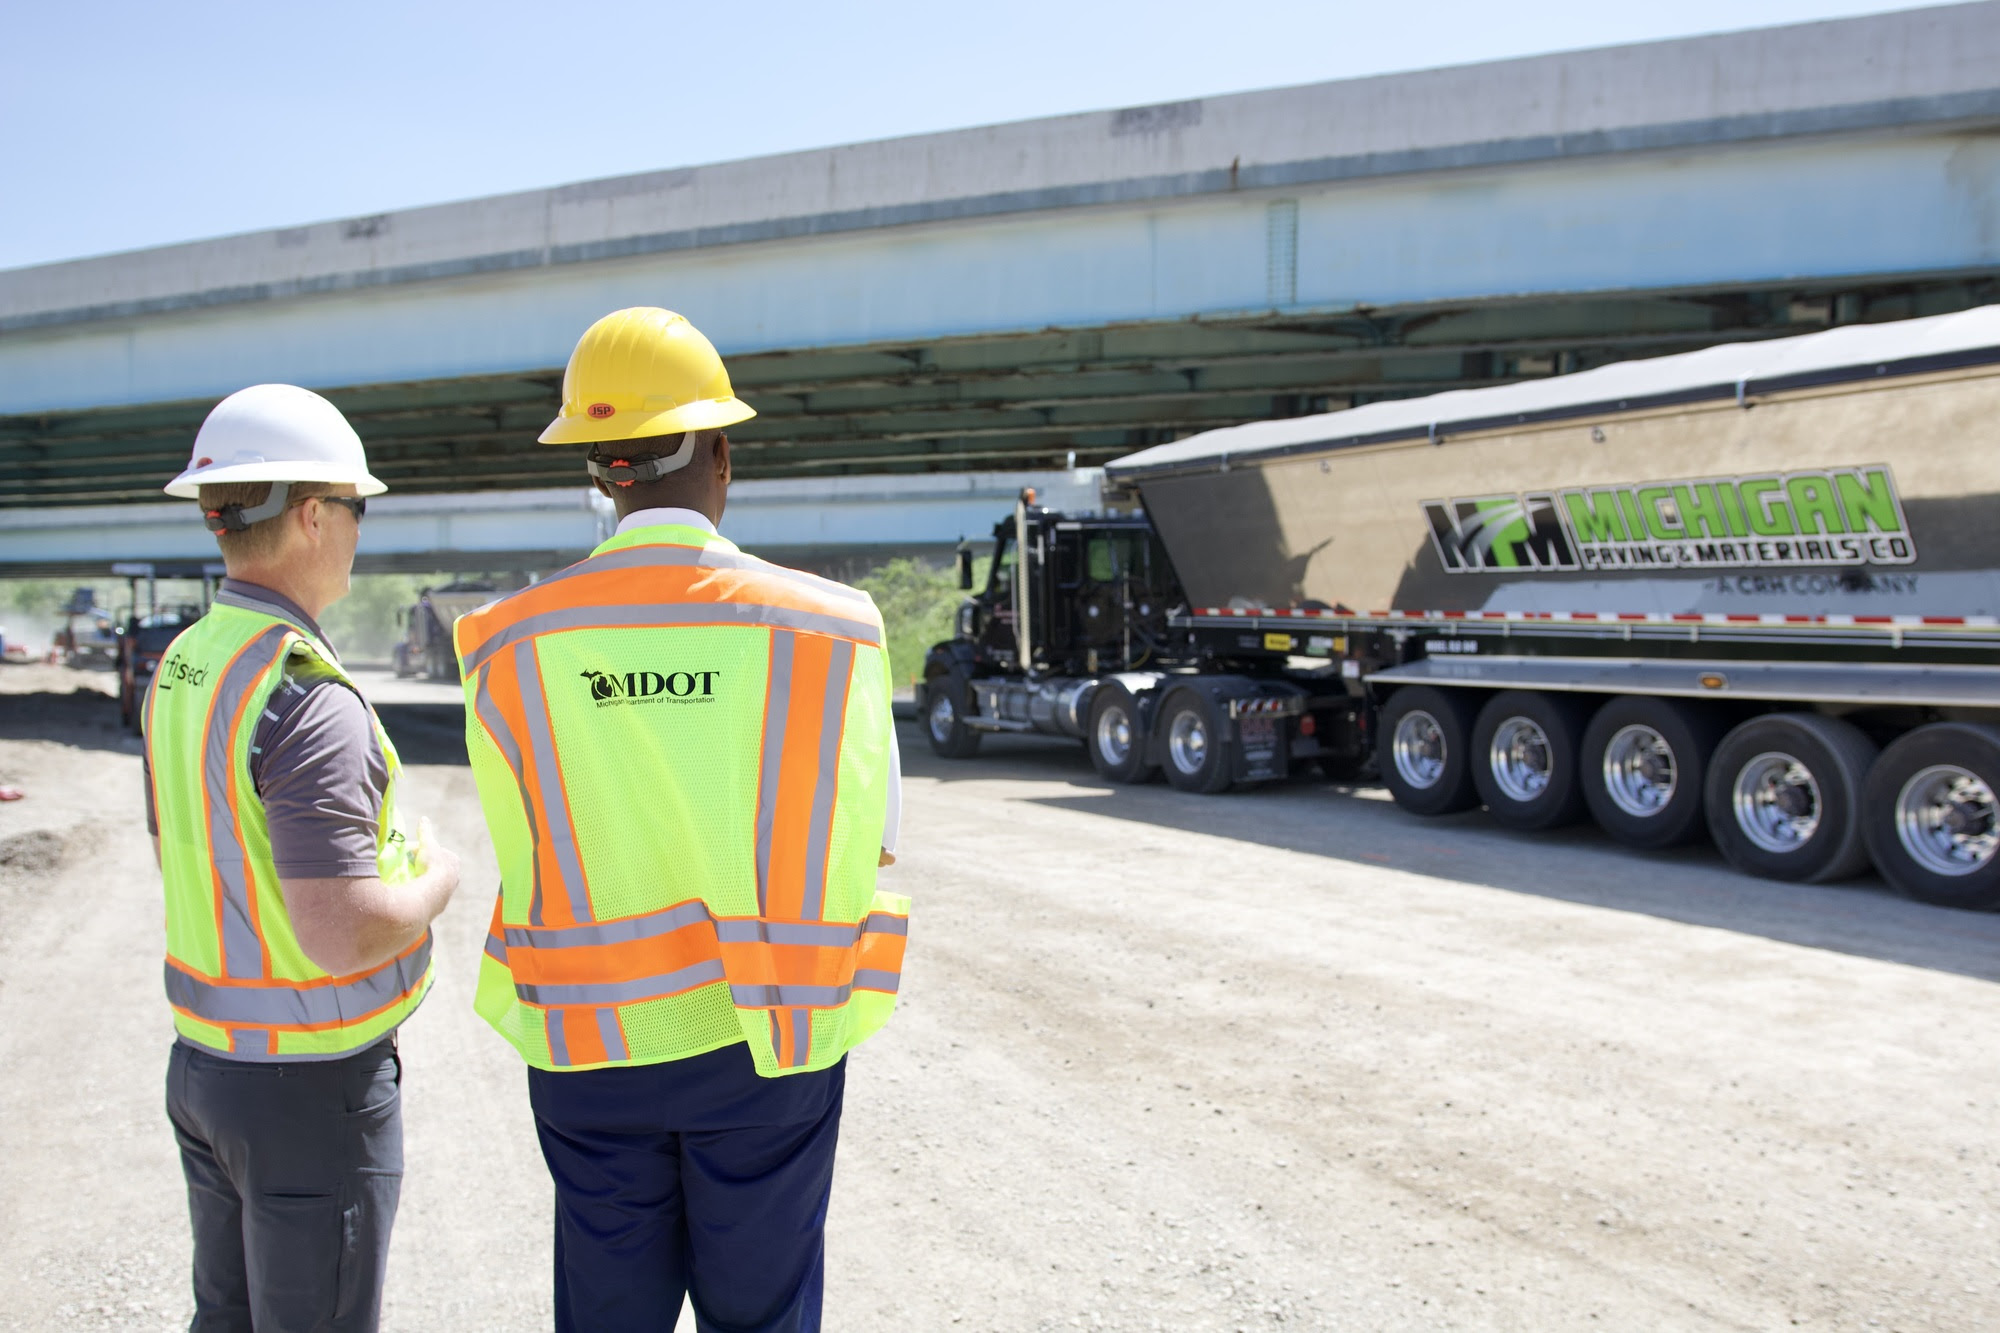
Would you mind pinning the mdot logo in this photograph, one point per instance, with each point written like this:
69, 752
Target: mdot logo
177, 670
1838, 516
608, 688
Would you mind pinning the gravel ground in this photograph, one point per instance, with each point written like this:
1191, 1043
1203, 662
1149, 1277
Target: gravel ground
1287, 1059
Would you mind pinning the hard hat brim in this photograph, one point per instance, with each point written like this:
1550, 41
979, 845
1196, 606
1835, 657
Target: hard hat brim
187, 485
708, 414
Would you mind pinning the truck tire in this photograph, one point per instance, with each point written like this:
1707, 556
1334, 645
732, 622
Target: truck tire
1423, 749
945, 700
1194, 745
1644, 764
1784, 797
1116, 736
1525, 748
1931, 815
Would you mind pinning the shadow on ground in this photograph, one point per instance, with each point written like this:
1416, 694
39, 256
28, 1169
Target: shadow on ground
1579, 865
84, 718
426, 733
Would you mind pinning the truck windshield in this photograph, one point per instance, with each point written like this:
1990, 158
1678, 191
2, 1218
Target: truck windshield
1112, 555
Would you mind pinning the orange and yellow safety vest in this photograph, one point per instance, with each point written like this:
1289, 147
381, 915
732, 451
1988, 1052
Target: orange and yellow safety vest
683, 755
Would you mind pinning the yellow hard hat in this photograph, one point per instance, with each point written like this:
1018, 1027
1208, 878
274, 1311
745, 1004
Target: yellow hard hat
642, 372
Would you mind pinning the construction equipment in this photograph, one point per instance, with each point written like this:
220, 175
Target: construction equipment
1752, 590
425, 648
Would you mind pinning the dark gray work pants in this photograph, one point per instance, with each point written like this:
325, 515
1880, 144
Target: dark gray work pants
293, 1172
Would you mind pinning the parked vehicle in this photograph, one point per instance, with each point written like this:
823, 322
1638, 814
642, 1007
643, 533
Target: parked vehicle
425, 648
1752, 592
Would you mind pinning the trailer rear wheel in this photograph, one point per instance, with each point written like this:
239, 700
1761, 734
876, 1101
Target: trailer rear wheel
1932, 816
1644, 761
1422, 750
1195, 745
1116, 737
1784, 797
1524, 758
945, 702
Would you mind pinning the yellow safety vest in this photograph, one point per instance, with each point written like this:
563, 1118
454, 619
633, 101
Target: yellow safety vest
236, 977
683, 755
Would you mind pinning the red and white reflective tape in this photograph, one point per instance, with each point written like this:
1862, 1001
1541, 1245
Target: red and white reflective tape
1602, 618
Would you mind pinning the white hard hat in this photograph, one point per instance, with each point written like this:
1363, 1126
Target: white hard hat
275, 432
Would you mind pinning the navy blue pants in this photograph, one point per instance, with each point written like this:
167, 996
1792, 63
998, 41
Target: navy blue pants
695, 1178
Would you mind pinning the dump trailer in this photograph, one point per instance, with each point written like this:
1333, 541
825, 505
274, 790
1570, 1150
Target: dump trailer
1750, 593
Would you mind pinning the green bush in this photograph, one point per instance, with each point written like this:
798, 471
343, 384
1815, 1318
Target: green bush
918, 602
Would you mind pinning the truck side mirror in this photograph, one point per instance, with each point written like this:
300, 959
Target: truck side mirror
965, 568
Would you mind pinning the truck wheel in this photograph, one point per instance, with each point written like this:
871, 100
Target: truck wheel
1644, 762
944, 716
1194, 744
1931, 815
1115, 738
1524, 758
1423, 750
1784, 797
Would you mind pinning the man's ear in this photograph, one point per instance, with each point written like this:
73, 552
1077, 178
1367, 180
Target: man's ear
722, 469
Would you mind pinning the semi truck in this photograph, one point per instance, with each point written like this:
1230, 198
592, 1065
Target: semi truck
1750, 593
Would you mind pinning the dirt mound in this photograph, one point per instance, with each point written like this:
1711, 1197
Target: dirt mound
36, 852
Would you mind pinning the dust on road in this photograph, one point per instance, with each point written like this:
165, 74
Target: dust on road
1286, 1059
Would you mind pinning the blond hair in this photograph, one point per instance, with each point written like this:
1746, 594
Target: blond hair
259, 541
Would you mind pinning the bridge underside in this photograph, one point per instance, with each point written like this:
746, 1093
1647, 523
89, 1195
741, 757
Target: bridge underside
1017, 401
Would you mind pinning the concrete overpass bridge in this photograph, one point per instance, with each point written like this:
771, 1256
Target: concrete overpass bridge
1056, 292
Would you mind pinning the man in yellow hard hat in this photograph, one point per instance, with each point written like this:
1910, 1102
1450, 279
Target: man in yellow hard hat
686, 760
298, 915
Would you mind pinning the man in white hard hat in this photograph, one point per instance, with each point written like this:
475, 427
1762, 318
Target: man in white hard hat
298, 914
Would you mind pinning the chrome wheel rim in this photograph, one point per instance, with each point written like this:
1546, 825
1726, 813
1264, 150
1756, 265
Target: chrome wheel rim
1187, 742
943, 716
1948, 820
1640, 775
1521, 758
1777, 802
1418, 749
1114, 735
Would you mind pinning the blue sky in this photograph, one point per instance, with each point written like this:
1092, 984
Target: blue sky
124, 125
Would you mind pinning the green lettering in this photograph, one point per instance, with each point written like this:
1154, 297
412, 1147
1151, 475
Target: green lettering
1506, 541
1698, 505
1732, 505
1869, 500
1593, 516
1650, 500
1769, 515
1813, 501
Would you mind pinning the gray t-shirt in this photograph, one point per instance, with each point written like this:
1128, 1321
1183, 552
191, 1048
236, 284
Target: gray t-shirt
316, 764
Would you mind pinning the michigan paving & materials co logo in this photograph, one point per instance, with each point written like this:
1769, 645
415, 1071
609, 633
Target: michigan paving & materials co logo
1773, 520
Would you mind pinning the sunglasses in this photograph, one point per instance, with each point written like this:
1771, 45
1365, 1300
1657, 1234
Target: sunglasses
353, 504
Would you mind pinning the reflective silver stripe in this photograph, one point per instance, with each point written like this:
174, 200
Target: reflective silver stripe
624, 992
669, 556
621, 931
496, 948
785, 997
275, 1004
826, 782
874, 978
886, 923
666, 615
738, 930
495, 722
802, 1036
251, 1043
242, 951
558, 1048
561, 836
777, 705
612, 1034
245, 602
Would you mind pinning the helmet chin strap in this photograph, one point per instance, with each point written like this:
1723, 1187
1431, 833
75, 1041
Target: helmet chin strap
624, 472
235, 518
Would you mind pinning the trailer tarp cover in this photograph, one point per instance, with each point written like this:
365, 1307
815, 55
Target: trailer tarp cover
1733, 370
